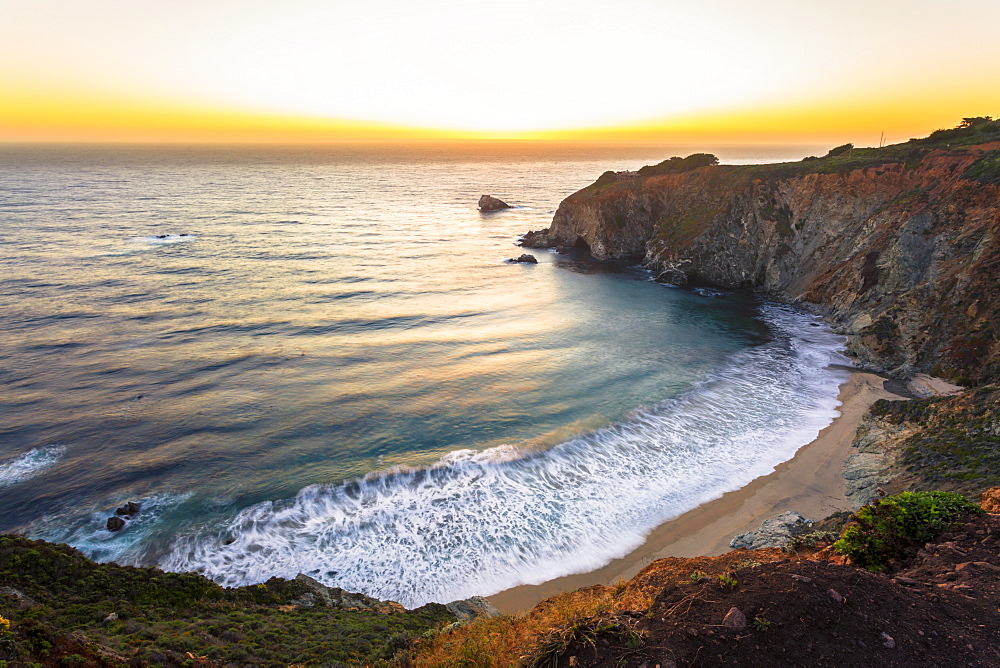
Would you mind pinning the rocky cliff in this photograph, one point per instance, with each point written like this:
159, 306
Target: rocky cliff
900, 245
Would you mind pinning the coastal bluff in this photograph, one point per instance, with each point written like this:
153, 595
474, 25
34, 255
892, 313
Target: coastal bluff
899, 246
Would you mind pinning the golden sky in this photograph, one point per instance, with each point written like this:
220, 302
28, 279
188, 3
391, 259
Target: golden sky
741, 71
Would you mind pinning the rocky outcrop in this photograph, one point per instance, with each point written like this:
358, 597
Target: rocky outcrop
774, 532
488, 203
949, 442
472, 608
334, 597
900, 245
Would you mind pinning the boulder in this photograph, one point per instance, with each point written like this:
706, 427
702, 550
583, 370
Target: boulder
115, 523
772, 533
535, 239
735, 619
487, 203
524, 257
472, 608
130, 508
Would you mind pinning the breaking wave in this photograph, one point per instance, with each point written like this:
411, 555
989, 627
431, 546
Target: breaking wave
476, 523
30, 464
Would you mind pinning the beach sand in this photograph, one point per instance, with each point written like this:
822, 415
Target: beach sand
810, 483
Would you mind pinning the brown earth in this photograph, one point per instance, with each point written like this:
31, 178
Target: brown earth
940, 609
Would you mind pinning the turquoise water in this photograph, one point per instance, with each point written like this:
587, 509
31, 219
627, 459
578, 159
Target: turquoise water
316, 360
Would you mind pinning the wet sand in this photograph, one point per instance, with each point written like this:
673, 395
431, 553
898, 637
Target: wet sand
810, 483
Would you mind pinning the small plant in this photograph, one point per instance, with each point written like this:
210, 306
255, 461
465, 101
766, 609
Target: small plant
4, 625
891, 527
728, 581
761, 624
697, 575
746, 563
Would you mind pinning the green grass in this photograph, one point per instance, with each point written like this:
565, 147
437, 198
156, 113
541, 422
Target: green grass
162, 616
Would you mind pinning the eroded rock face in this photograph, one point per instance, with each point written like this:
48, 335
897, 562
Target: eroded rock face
488, 203
905, 255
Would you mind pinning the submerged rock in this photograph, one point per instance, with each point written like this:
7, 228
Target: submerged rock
488, 203
772, 533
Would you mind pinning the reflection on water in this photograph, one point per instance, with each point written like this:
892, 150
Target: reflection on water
217, 328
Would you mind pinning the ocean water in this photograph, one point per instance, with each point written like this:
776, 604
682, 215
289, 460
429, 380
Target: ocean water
315, 359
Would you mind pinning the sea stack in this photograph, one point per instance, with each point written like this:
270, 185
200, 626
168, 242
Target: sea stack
488, 203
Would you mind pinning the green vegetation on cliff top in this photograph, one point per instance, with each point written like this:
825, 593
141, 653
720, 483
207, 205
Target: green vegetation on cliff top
150, 617
972, 131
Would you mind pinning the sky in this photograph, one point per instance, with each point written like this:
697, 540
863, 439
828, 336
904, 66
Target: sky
742, 71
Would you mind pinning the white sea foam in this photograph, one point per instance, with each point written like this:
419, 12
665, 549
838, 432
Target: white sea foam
479, 522
89, 533
30, 464
159, 240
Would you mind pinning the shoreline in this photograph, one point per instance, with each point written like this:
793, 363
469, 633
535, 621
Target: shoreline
810, 483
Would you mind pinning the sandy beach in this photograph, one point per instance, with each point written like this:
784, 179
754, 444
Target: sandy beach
810, 483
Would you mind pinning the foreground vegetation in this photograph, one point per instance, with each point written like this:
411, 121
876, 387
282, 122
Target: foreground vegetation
144, 616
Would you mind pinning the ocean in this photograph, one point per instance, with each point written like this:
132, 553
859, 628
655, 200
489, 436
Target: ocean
315, 359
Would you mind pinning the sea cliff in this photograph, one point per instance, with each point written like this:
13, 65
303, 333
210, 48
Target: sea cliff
900, 246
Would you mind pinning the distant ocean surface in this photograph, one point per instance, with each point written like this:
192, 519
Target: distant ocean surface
315, 359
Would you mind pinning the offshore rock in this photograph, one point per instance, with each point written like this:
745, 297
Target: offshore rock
130, 508
524, 257
487, 203
772, 533
115, 523
900, 245
535, 239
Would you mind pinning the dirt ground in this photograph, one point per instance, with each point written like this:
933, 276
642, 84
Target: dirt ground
939, 609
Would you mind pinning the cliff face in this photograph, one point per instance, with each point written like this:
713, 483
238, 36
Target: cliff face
902, 247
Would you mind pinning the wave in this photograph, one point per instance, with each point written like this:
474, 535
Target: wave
30, 464
89, 533
476, 523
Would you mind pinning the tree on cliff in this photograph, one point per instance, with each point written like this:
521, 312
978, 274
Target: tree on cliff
676, 164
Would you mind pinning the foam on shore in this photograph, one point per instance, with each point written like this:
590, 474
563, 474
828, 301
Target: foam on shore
479, 522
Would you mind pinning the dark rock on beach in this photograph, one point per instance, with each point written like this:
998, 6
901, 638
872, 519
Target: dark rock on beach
488, 203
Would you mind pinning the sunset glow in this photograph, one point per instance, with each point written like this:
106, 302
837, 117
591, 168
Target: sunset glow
306, 70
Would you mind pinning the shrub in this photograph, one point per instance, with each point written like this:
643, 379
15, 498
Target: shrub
677, 164
839, 150
890, 528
